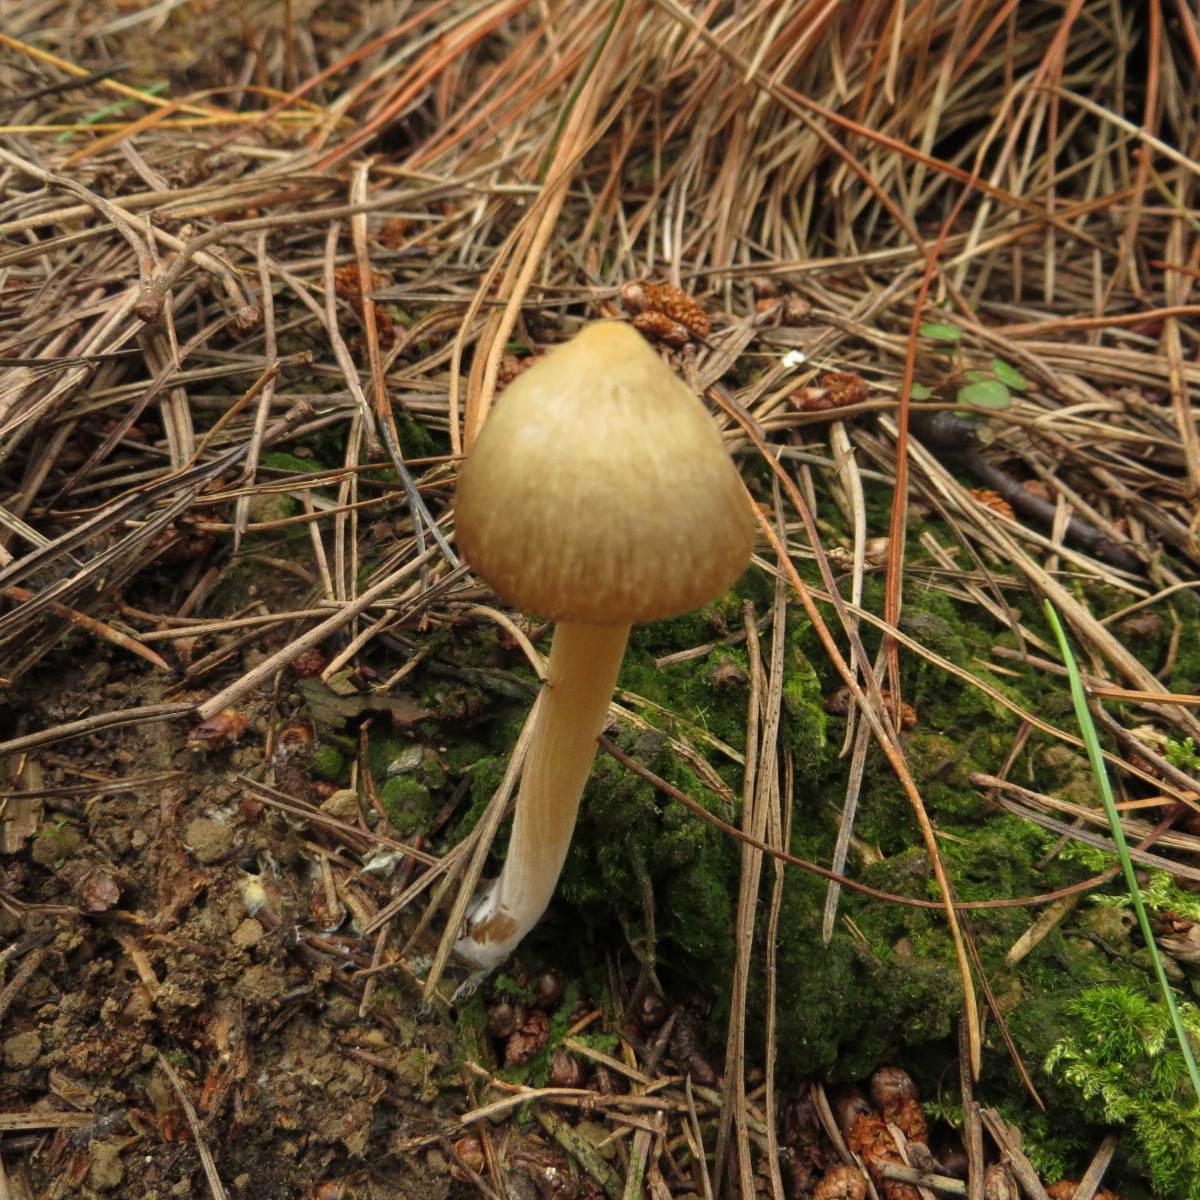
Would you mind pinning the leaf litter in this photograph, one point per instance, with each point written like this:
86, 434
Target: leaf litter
262, 282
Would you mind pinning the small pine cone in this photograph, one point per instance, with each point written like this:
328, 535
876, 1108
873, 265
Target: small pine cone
346, 284
869, 1138
658, 327
641, 299
677, 305
308, 664
841, 1183
511, 366
998, 1184
895, 1095
385, 327
835, 389
528, 1040
844, 387
994, 501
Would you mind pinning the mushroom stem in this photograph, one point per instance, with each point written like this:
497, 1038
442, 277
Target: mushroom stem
581, 675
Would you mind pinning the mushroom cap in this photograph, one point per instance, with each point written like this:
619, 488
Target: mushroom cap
599, 489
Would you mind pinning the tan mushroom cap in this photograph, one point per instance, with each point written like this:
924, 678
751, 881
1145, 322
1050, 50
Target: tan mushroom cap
599, 490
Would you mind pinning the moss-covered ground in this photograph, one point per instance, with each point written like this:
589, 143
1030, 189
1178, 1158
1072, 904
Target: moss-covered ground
647, 877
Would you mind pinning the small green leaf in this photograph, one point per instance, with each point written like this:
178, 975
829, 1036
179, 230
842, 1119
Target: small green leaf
1008, 374
989, 394
919, 391
940, 333
978, 376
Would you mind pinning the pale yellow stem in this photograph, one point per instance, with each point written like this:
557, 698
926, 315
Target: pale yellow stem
581, 675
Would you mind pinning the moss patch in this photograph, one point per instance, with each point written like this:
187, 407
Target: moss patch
646, 875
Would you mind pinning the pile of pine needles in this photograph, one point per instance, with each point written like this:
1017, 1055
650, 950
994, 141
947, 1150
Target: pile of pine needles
207, 222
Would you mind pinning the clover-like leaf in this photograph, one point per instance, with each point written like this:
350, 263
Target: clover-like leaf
989, 393
940, 333
1009, 375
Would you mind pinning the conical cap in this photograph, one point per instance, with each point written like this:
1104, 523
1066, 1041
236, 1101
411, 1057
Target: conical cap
599, 489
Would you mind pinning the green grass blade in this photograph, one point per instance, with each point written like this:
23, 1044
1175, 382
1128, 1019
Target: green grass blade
565, 113
110, 110
1088, 729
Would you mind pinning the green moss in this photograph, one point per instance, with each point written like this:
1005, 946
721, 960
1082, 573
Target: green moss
463, 755
841, 1007
1119, 1055
804, 702
649, 876
1184, 609
328, 763
280, 460
639, 856
471, 1044
408, 803
489, 772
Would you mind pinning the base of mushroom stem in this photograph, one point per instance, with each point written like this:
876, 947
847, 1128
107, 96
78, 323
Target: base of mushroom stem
492, 932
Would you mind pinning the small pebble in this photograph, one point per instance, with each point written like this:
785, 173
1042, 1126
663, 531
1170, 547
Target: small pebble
248, 933
208, 840
106, 1171
22, 1050
598, 1137
343, 804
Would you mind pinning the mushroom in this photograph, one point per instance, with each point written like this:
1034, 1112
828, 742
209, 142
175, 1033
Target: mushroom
599, 494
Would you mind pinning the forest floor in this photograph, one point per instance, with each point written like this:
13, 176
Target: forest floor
844, 912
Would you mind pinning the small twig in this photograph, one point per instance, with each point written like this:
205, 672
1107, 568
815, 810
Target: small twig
24, 973
83, 621
146, 308
1090, 1182
1009, 1143
945, 1184
86, 725
215, 1186
972, 1126
20, 1122
281, 658
69, 85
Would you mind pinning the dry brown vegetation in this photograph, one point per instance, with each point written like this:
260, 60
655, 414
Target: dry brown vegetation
229, 234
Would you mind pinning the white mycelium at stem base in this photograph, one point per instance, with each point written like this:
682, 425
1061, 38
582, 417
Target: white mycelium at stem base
598, 494
582, 672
